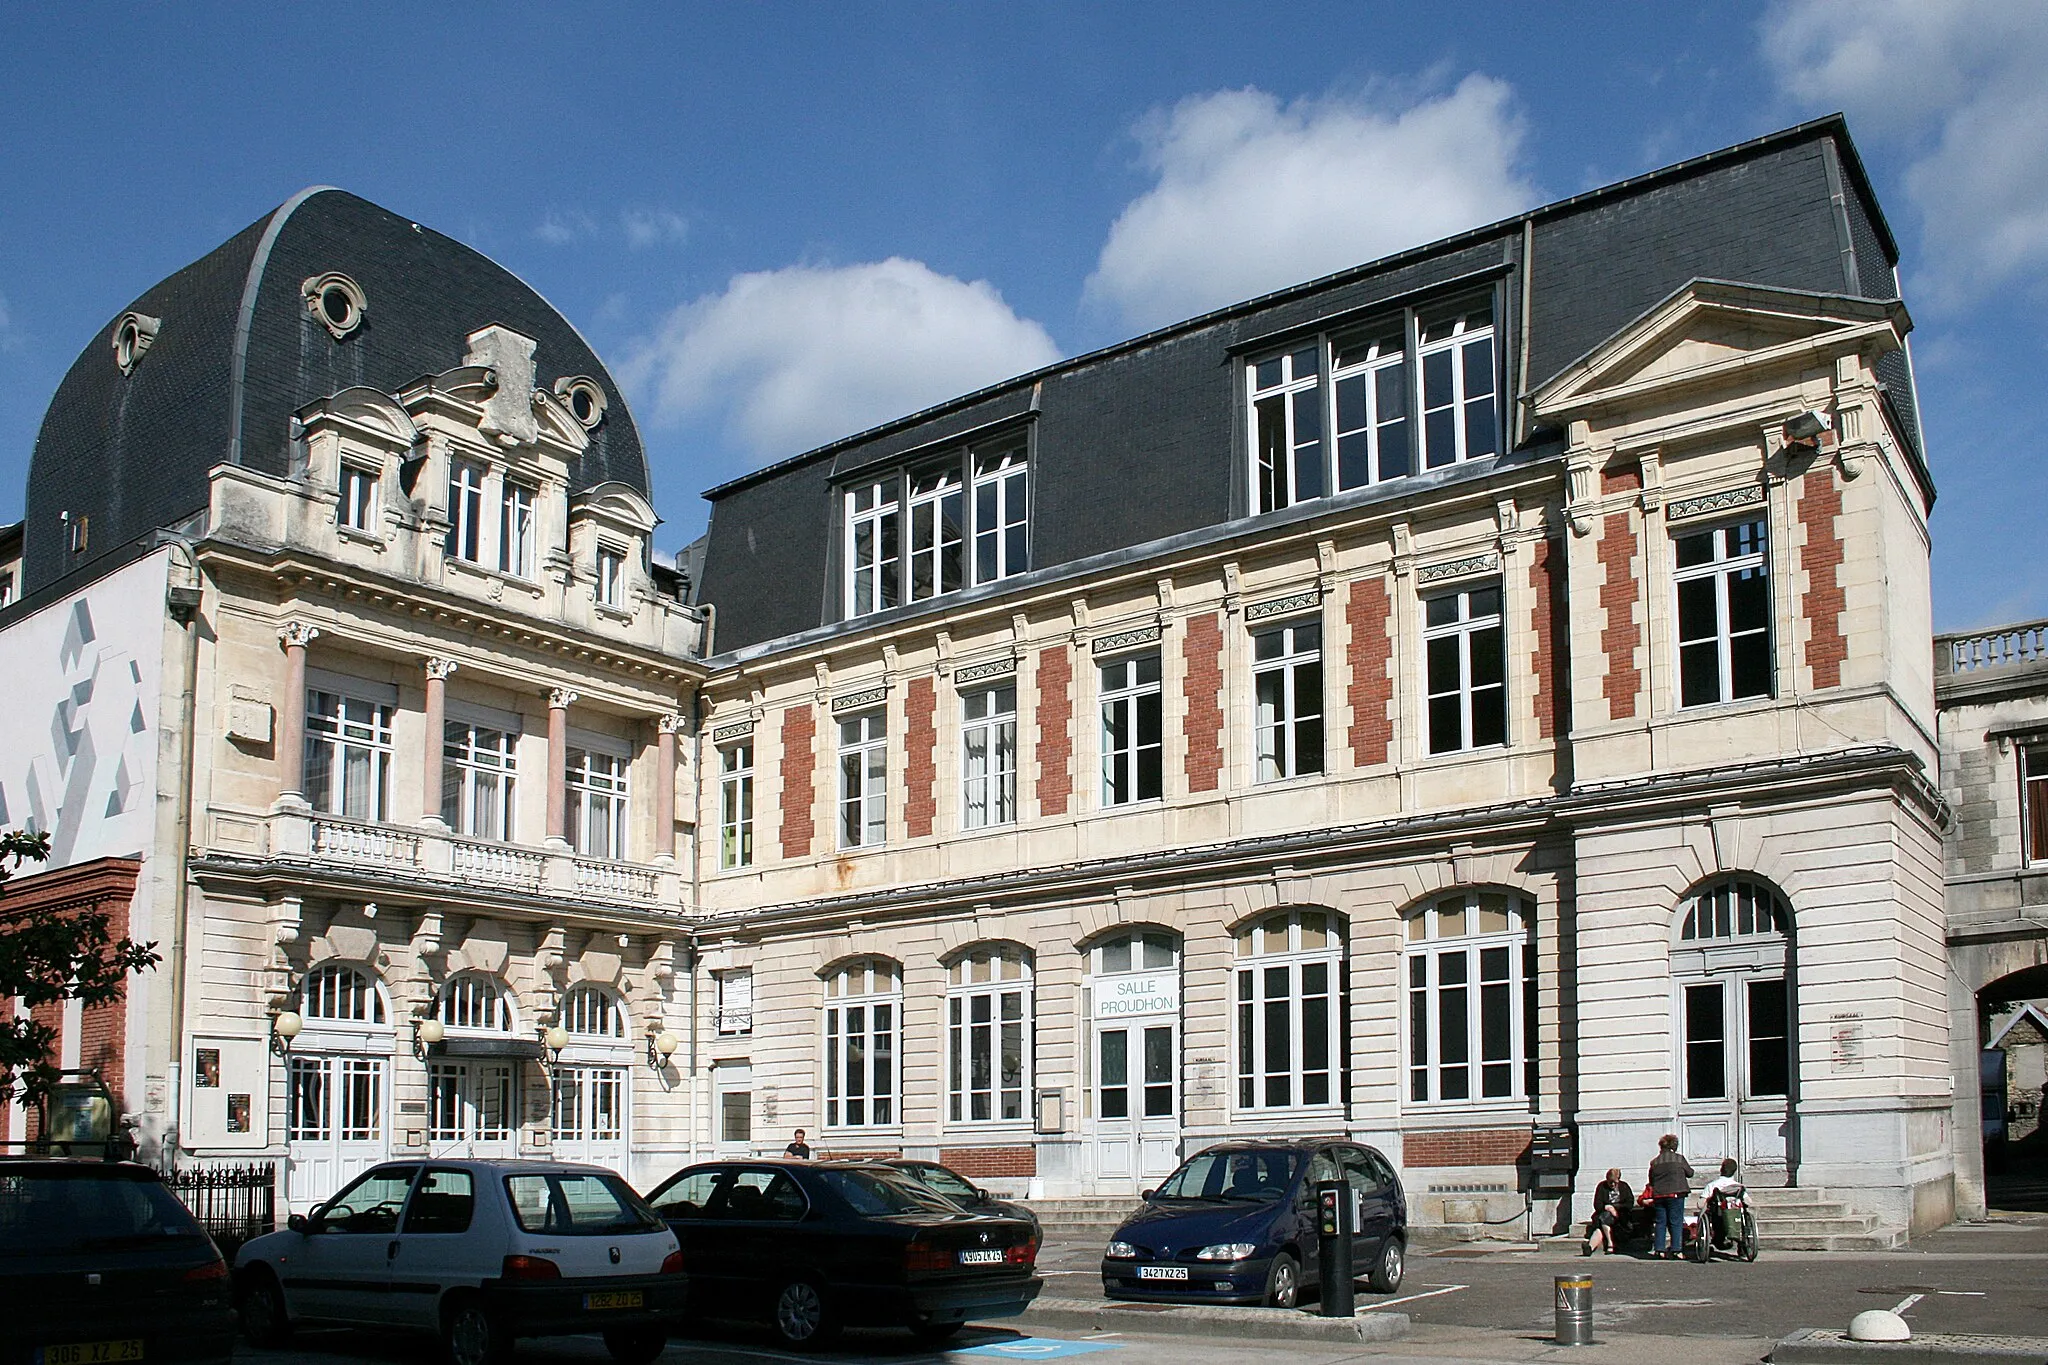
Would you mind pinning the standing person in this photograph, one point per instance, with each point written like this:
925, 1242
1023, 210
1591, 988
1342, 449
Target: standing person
801, 1150
1670, 1177
1612, 1199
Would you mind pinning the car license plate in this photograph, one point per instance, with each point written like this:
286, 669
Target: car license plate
91, 1352
1162, 1272
613, 1298
989, 1257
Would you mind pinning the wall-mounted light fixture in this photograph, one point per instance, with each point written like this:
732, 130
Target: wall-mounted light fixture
285, 1025
427, 1033
661, 1045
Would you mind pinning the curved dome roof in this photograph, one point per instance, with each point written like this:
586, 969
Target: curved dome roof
237, 352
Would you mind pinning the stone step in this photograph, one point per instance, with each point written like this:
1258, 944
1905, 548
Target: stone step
1845, 1225
1871, 1241
1786, 1197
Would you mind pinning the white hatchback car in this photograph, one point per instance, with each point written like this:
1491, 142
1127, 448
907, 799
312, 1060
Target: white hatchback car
479, 1253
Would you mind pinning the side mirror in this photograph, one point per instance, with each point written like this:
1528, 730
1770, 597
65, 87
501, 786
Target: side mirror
982, 1196
300, 1224
1147, 1195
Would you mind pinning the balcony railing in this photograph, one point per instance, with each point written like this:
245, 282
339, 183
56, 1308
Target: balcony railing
497, 864
603, 880
2026, 643
377, 845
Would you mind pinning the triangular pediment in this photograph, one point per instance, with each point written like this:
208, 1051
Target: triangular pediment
1708, 329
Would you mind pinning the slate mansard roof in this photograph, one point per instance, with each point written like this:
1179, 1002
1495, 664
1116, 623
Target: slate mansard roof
238, 352
1159, 416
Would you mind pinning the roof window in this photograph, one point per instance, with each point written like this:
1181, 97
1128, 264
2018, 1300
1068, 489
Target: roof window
337, 301
132, 336
584, 399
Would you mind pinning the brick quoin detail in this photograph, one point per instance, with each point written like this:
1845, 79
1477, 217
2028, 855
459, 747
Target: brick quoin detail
1820, 503
1203, 650
983, 1163
1055, 732
1620, 635
1372, 691
799, 773
921, 800
1548, 663
1465, 1147
1626, 478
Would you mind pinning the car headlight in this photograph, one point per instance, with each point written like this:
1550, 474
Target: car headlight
1227, 1251
1120, 1251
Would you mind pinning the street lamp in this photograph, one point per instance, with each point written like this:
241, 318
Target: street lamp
661, 1046
427, 1033
285, 1025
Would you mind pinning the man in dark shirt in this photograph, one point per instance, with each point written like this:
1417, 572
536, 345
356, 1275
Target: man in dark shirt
1670, 1173
801, 1150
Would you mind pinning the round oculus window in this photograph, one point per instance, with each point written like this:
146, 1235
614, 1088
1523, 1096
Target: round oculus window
584, 399
336, 302
133, 334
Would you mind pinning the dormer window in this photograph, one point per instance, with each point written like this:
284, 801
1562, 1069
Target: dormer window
968, 523
356, 506
611, 576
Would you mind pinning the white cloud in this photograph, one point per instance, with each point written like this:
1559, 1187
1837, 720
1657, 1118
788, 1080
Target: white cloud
652, 227
1251, 195
1958, 85
10, 335
563, 226
788, 359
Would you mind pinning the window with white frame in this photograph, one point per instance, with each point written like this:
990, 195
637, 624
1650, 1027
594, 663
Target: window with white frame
472, 1101
593, 1013
1370, 375
863, 779
1287, 427
1133, 730
935, 533
611, 576
989, 1036
1001, 514
1287, 692
736, 804
1465, 669
355, 505
348, 755
1724, 613
466, 511
596, 788
1289, 994
863, 1012
474, 1001
735, 1002
873, 532
479, 765
2034, 802
988, 756
1471, 1017
335, 1099
589, 1104
916, 533
339, 993
1460, 420
517, 530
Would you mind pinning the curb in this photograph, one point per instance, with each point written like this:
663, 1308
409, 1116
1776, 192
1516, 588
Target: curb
1258, 1324
1828, 1346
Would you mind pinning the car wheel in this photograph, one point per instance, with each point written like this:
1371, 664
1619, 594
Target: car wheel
635, 1345
264, 1320
802, 1318
1283, 1282
472, 1335
1387, 1269
936, 1333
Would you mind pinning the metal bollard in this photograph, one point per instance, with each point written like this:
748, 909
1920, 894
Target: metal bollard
1574, 1310
1333, 1225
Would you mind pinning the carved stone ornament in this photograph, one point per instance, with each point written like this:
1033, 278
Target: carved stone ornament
992, 668
739, 729
439, 669
561, 698
867, 696
336, 301
132, 336
674, 723
1465, 567
584, 398
1708, 504
1284, 606
297, 634
1125, 639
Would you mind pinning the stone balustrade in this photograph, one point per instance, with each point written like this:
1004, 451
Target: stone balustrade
2008, 646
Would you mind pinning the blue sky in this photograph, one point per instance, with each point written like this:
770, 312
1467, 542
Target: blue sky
780, 223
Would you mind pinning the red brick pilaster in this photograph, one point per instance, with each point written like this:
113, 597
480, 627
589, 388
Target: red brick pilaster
1055, 730
1820, 504
1620, 635
799, 779
1372, 690
1202, 647
921, 768
1549, 663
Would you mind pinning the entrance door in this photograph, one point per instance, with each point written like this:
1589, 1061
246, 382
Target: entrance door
1134, 1055
473, 1109
1735, 1023
334, 1124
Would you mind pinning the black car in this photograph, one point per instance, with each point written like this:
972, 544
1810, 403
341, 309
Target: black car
99, 1262
962, 1191
810, 1248
1236, 1223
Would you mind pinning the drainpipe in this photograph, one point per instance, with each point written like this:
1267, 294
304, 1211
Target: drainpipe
696, 878
182, 601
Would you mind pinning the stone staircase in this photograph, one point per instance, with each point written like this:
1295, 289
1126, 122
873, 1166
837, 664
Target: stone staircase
1809, 1220
1082, 1222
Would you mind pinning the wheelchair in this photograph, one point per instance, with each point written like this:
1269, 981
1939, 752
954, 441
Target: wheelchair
1726, 1223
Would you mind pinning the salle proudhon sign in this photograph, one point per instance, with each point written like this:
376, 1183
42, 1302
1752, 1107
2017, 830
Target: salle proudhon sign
1136, 995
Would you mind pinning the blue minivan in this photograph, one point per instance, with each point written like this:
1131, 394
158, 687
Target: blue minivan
1236, 1223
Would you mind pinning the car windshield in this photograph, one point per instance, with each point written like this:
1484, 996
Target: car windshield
876, 1194
52, 1211
578, 1203
1248, 1175
946, 1182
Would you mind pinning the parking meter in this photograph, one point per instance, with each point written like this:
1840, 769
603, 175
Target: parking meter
1333, 1229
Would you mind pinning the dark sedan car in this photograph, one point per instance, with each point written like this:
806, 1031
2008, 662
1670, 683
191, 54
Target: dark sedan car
962, 1191
99, 1262
810, 1248
1236, 1223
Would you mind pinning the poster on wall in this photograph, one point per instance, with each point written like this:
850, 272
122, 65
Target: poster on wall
206, 1069
238, 1113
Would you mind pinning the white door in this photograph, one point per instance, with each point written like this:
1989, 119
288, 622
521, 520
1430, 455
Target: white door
335, 1125
1134, 1059
590, 1115
1735, 1071
473, 1109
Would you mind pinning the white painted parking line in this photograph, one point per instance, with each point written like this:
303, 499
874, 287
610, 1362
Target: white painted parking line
1411, 1298
1961, 1293
1907, 1302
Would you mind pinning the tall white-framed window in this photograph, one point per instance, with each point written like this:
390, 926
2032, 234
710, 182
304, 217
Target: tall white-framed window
863, 779
1289, 989
517, 530
611, 576
335, 1099
337, 993
355, 505
1471, 1015
1370, 374
1287, 695
1002, 495
472, 1101
479, 765
1287, 427
736, 805
990, 1034
1723, 582
1465, 669
735, 1002
936, 533
1460, 420
473, 1001
2034, 803
589, 1103
1133, 730
348, 755
596, 787
591, 1013
863, 1015
988, 756
873, 533
466, 510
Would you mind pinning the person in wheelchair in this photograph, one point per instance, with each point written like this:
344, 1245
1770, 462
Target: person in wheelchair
1723, 1224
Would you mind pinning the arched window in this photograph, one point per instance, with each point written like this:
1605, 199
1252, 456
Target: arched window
989, 1035
1471, 972
1289, 992
1735, 1006
593, 1012
1734, 909
473, 1001
1148, 950
338, 993
863, 1011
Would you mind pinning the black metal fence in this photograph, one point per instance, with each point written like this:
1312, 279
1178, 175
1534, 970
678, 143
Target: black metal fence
233, 1203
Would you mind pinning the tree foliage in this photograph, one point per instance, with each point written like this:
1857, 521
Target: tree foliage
48, 956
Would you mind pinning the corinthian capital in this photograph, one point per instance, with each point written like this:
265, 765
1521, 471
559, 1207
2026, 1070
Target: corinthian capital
561, 698
439, 669
297, 634
674, 723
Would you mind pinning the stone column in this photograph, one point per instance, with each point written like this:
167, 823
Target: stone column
671, 725
559, 701
437, 725
291, 713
